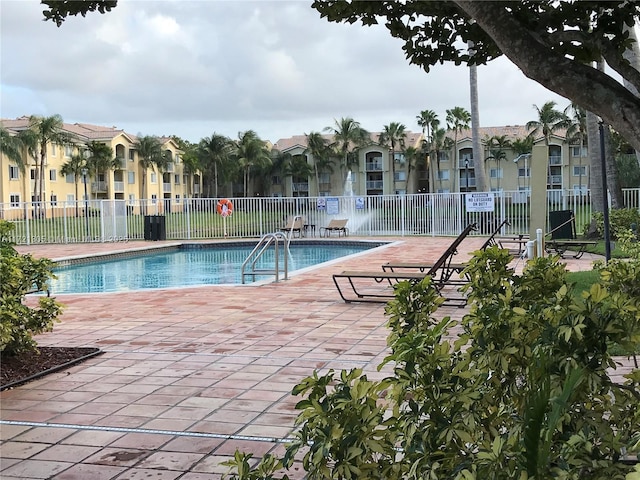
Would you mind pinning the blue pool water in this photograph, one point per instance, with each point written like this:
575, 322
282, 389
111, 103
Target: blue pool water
211, 265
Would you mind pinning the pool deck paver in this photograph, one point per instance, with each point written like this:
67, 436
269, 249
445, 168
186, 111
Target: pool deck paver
188, 375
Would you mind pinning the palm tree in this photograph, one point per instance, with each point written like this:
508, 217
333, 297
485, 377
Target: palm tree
250, 153
150, 156
298, 169
457, 120
214, 152
428, 120
438, 144
481, 180
41, 132
549, 121
577, 133
393, 135
100, 159
348, 136
522, 146
318, 148
498, 144
411, 156
74, 167
13, 149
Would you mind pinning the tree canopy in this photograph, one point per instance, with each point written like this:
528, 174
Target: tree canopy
553, 43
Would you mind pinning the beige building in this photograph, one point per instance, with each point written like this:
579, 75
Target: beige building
121, 183
374, 173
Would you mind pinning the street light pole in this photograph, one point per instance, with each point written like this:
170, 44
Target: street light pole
86, 204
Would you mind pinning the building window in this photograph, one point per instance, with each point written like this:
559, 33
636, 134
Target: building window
54, 150
54, 200
177, 198
14, 172
495, 173
276, 180
14, 200
132, 198
579, 170
176, 179
132, 154
131, 178
33, 173
398, 157
68, 151
324, 178
177, 158
577, 151
524, 172
70, 178
400, 176
444, 157
52, 175
154, 199
71, 198
154, 177
443, 175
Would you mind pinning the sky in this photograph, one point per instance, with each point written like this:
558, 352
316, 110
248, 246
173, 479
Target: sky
196, 67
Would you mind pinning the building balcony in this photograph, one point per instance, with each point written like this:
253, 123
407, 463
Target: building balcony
555, 160
196, 188
118, 187
462, 165
99, 187
554, 180
166, 187
300, 187
375, 185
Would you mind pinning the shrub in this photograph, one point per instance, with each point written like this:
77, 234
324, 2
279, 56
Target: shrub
620, 220
21, 274
524, 392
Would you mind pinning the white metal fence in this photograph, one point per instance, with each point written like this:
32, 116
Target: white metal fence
419, 214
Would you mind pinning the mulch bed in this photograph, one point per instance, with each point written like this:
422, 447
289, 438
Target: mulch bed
18, 369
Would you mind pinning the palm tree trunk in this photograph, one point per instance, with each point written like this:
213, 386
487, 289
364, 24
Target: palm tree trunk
481, 178
595, 180
632, 54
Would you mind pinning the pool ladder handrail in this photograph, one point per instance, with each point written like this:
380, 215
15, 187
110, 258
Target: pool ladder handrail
263, 244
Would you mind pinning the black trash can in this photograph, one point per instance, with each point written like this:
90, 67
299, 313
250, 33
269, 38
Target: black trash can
562, 226
155, 227
147, 227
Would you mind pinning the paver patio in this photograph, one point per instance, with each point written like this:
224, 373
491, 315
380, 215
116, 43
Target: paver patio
189, 375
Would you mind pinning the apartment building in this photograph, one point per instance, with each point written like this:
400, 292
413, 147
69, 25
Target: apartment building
376, 174
123, 182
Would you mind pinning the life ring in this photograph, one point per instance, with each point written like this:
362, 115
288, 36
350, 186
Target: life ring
225, 207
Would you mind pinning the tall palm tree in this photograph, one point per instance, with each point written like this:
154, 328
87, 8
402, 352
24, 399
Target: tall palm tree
100, 159
250, 153
577, 133
318, 148
457, 120
522, 146
150, 156
392, 136
41, 132
498, 144
427, 120
549, 121
411, 156
438, 144
12, 147
481, 180
348, 136
214, 152
74, 167
298, 169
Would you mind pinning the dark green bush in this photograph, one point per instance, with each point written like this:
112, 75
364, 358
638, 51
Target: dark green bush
620, 220
19, 275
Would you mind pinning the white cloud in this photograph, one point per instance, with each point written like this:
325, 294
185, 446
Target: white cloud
194, 67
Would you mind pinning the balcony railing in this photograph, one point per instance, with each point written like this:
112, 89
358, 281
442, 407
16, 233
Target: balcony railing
118, 187
166, 187
98, 186
374, 166
196, 188
463, 166
301, 187
375, 185
555, 160
554, 179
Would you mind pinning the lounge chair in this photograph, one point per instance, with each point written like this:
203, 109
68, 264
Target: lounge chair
335, 225
563, 235
449, 267
295, 225
441, 272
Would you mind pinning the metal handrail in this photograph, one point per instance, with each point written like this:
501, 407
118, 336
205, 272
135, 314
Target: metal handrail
262, 246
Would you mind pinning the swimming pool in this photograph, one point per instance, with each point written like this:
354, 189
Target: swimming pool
189, 265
